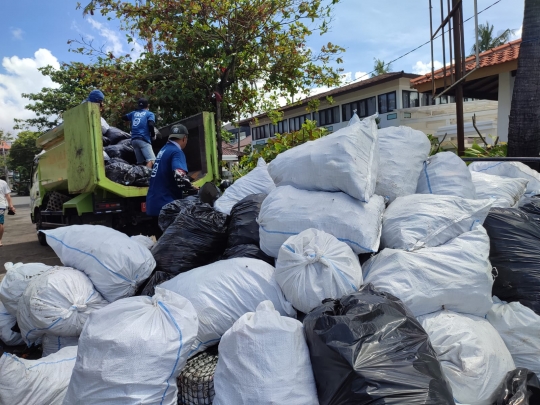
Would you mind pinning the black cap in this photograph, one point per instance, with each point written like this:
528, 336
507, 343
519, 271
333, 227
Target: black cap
142, 103
178, 131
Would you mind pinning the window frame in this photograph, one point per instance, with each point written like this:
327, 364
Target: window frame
385, 97
357, 105
331, 116
406, 99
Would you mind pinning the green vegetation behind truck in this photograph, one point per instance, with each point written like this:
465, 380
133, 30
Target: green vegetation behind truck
69, 185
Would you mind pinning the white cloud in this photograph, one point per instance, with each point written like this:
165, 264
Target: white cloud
421, 68
361, 76
22, 76
16, 33
114, 44
517, 34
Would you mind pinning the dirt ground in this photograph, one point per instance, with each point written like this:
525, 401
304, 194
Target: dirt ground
20, 240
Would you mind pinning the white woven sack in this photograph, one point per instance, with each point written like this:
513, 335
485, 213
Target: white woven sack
288, 211
403, 151
144, 240
446, 174
264, 359
133, 350
313, 266
114, 262
8, 321
223, 291
423, 220
506, 191
516, 170
473, 356
255, 182
57, 302
15, 281
36, 382
52, 344
346, 161
454, 276
519, 327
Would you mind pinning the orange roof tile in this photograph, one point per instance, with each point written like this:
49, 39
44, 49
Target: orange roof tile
501, 54
4, 145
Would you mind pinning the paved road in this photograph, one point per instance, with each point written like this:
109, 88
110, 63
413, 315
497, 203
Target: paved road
20, 240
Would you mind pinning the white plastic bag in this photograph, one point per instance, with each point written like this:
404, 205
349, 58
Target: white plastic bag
255, 182
314, 265
132, 351
473, 356
346, 161
455, 276
114, 262
15, 281
144, 240
52, 344
7, 321
264, 359
58, 302
403, 151
36, 382
104, 126
446, 174
224, 291
288, 211
424, 220
516, 170
506, 191
519, 327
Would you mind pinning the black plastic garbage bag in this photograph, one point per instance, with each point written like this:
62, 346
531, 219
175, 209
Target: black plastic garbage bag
520, 387
197, 237
117, 172
251, 251
106, 141
531, 205
116, 160
149, 286
125, 142
170, 211
115, 135
243, 226
368, 348
138, 176
515, 253
121, 151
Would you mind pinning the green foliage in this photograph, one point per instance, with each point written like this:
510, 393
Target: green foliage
277, 145
22, 153
496, 150
380, 67
487, 41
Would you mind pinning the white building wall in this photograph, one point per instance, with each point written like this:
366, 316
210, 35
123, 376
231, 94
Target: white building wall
506, 89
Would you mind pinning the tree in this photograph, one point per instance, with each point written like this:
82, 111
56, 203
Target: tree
380, 67
218, 49
524, 126
22, 153
5, 138
487, 41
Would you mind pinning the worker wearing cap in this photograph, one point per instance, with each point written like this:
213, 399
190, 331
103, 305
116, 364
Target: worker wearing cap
97, 96
142, 132
169, 180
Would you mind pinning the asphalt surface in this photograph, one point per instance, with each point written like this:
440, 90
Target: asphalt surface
20, 240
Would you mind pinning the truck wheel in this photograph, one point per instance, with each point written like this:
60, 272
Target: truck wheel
42, 239
40, 235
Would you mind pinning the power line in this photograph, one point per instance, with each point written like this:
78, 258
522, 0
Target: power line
420, 46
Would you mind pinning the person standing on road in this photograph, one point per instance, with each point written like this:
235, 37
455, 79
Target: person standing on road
169, 179
142, 132
5, 204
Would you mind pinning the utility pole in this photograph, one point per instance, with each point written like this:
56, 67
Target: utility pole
458, 37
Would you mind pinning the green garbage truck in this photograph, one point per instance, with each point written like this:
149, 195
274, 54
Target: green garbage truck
69, 185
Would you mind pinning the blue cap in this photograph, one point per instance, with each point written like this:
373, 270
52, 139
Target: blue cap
96, 96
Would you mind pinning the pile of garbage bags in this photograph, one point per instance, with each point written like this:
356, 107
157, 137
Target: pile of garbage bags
325, 277
121, 162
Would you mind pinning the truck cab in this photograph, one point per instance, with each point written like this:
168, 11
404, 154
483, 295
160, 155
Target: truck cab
69, 185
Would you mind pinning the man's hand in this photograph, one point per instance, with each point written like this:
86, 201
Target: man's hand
182, 180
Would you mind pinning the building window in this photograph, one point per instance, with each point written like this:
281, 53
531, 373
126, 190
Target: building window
260, 132
327, 116
387, 102
410, 99
279, 128
364, 108
295, 124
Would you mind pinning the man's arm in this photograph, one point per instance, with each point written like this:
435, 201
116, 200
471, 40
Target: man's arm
180, 172
10, 202
151, 128
126, 117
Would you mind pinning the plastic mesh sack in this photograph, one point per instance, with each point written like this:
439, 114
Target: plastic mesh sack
504, 190
446, 174
8, 321
133, 351
368, 348
346, 160
196, 381
510, 169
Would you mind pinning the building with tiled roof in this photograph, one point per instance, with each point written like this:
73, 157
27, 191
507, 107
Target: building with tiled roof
492, 80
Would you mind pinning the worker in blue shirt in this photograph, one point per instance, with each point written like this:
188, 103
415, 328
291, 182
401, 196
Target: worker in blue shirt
142, 132
169, 179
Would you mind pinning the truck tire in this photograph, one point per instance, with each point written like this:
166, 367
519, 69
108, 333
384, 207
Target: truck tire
42, 239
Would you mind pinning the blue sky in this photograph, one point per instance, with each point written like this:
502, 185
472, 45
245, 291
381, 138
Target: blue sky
35, 33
